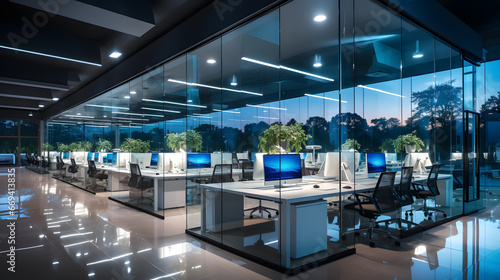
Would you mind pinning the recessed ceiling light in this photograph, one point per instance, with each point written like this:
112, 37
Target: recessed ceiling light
41, 105
30, 114
78, 114
317, 64
190, 100
127, 97
417, 53
105, 116
319, 18
211, 61
133, 92
234, 82
115, 54
55, 99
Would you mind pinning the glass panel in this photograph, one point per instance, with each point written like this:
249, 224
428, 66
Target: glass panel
28, 146
8, 151
8, 128
29, 128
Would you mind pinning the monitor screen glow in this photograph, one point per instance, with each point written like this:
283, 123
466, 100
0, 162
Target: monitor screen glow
375, 162
115, 158
89, 156
198, 161
96, 156
154, 159
282, 167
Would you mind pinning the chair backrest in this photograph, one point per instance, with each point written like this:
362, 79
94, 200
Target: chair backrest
222, 173
74, 167
404, 189
247, 170
432, 179
135, 176
59, 162
384, 196
92, 168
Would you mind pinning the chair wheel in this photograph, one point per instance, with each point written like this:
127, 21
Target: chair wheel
444, 215
377, 226
429, 218
277, 213
372, 244
411, 214
388, 237
397, 243
251, 217
269, 216
343, 237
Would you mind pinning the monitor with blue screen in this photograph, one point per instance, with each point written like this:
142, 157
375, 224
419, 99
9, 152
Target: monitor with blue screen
115, 158
105, 159
89, 156
66, 155
375, 163
96, 156
154, 160
285, 168
198, 161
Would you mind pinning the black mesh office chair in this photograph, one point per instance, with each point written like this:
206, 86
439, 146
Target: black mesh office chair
404, 196
73, 169
246, 170
372, 205
222, 173
137, 181
59, 167
95, 175
425, 189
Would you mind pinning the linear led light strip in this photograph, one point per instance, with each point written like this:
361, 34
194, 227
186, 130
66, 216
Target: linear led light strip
267, 118
199, 116
111, 107
232, 112
212, 87
267, 107
161, 110
379, 90
285, 68
174, 103
51, 56
79, 116
322, 97
62, 123
131, 119
136, 114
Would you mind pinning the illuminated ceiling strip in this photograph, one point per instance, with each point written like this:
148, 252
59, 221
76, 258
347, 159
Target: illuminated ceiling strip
131, 119
286, 68
322, 97
198, 116
136, 114
212, 87
267, 118
267, 107
379, 90
51, 56
62, 123
111, 107
232, 112
161, 110
174, 103
99, 126
79, 116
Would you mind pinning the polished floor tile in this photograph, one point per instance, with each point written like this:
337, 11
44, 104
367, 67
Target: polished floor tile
66, 233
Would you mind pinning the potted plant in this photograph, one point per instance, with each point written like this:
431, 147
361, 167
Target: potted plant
387, 146
47, 147
81, 146
190, 138
135, 146
350, 144
103, 145
411, 142
293, 137
62, 148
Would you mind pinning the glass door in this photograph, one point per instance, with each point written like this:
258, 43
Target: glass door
471, 153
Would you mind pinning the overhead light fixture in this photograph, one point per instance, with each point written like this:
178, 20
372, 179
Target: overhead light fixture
211, 61
161, 110
234, 82
137, 114
49, 55
232, 112
317, 61
115, 54
127, 97
382, 91
133, 92
41, 105
266, 107
323, 97
319, 18
174, 103
285, 68
105, 116
189, 101
130, 119
79, 116
212, 87
417, 53
30, 114
55, 99
111, 107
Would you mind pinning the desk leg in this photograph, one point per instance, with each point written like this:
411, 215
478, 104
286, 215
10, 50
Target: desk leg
203, 210
155, 195
285, 234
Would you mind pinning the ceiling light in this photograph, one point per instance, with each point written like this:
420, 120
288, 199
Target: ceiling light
323, 97
55, 99
136, 114
211, 61
320, 18
115, 54
127, 97
379, 90
189, 101
267, 107
104, 116
51, 56
234, 82
161, 110
212, 87
79, 116
286, 68
417, 53
232, 112
30, 114
317, 61
174, 103
133, 92
41, 105
104, 106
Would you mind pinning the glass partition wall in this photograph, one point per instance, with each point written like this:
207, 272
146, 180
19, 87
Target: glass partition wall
265, 133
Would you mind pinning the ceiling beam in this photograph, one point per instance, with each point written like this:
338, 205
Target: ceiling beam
35, 84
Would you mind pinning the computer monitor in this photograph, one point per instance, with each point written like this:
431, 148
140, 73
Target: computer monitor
375, 163
115, 158
105, 159
198, 161
66, 155
89, 156
96, 156
154, 160
284, 168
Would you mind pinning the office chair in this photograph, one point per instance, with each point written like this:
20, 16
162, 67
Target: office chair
73, 169
137, 181
372, 205
404, 196
222, 173
425, 189
247, 174
59, 167
94, 174
246, 171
